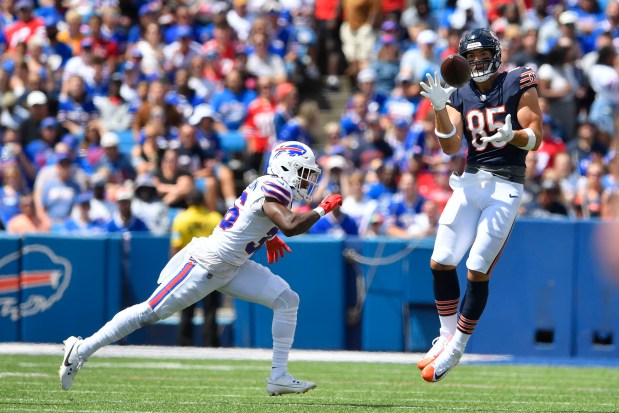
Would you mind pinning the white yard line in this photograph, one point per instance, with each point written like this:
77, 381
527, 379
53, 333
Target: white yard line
199, 353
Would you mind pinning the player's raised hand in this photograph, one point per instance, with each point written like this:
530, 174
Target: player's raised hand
504, 134
437, 94
328, 204
276, 248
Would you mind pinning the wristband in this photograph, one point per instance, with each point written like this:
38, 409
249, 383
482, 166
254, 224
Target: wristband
532, 140
445, 135
320, 211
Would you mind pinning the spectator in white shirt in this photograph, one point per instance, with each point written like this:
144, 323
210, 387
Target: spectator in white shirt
263, 63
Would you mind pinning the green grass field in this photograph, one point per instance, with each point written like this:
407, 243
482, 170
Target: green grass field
30, 384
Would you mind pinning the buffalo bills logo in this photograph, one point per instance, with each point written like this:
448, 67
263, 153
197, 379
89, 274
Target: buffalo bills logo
292, 150
39, 286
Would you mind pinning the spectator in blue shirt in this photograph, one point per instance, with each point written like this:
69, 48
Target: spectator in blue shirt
301, 127
60, 192
80, 221
366, 83
54, 47
232, 102
40, 150
76, 107
183, 19
147, 14
123, 219
13, 187
387, 65
117, 163
352, 123
287, 98
337, 224
386, 186
404, 206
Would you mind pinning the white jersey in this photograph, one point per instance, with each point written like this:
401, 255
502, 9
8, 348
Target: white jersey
245, 227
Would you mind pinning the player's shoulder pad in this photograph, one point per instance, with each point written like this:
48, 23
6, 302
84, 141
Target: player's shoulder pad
524, 76
277, 188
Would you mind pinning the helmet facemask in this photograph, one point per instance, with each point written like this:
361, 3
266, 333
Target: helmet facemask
295, 163
304, 182
481, 70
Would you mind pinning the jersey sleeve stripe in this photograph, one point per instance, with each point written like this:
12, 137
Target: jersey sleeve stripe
275, 185
527, 79
276, 192
278, 188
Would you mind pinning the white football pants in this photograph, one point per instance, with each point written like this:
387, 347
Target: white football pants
479, 215
183, 282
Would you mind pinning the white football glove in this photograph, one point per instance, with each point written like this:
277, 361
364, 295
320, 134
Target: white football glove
503, 134
437, 94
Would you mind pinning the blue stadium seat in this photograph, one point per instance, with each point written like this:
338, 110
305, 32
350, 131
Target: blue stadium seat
173, 212
232, 141
200, 184
126, 141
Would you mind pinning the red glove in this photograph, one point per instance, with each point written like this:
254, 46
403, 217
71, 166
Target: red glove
275, 249
328, 204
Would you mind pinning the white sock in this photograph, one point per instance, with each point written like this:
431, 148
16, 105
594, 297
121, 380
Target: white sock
445, 333
448, 325
285, 310
284, 326
123, 324
460, 340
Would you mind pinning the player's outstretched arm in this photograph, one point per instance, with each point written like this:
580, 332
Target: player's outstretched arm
449, 119
294, 223
530, 118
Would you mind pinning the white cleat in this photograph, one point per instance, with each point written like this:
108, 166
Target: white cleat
71, 363
444, 363
438, 345
286, 384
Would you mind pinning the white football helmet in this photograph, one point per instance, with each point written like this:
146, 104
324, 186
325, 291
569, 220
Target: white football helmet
295, 163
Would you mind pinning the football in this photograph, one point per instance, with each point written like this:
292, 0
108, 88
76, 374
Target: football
455, 70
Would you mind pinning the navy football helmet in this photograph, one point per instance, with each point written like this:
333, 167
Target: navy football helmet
481, 39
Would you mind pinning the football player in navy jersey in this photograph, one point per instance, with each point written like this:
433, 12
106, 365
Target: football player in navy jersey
498, 114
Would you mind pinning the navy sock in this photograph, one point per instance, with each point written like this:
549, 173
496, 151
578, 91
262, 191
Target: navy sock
446, 291
473, 305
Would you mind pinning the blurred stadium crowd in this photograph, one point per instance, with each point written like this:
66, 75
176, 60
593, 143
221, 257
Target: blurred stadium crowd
112, 111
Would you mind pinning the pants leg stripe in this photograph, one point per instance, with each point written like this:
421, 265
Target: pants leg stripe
496, 259
157, 299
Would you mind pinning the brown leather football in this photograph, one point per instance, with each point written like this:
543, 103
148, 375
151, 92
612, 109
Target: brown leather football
455, 70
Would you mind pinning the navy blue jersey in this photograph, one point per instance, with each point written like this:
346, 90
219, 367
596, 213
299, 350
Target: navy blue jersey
483, 114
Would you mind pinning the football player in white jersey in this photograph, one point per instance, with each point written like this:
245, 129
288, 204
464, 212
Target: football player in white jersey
221, 262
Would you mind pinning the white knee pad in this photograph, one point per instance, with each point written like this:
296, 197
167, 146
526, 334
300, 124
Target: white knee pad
285, 308
287, 300
146, 315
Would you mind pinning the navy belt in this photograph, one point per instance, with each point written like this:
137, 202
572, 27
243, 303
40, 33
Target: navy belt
501, 174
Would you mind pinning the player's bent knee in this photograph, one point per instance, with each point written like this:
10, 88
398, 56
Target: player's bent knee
147, 315
477, 276
443, 259
288, 299
440, 267
478, 264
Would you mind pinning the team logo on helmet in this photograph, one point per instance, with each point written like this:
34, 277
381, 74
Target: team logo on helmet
42, 285
292, 150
